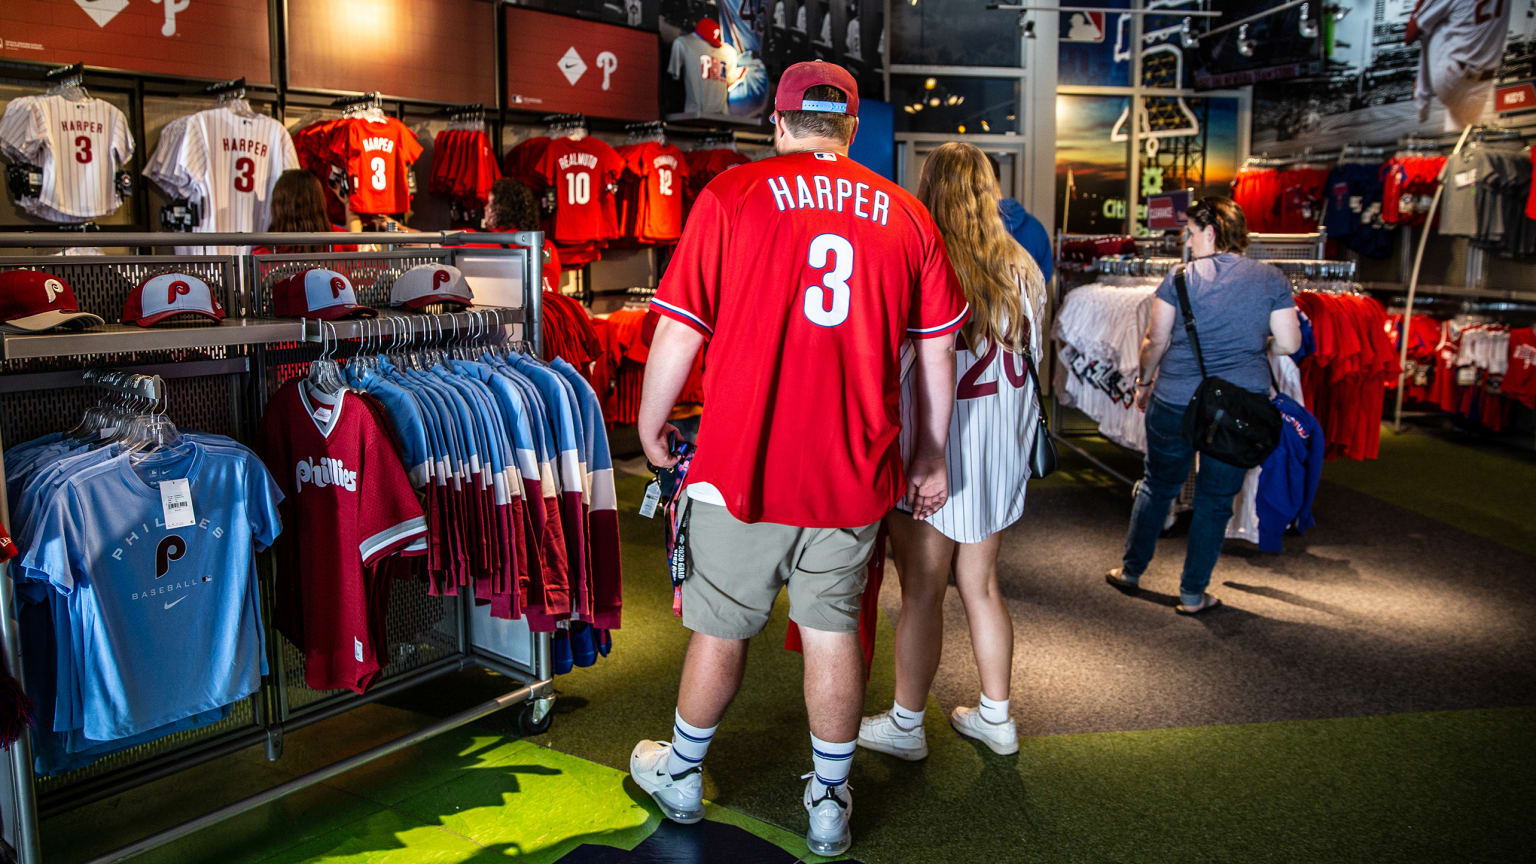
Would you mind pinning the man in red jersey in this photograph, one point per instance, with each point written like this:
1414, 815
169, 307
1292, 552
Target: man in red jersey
804, 273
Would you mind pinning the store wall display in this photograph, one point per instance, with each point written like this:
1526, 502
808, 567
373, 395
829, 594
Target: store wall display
441, 50
223, 39
1280, 46
1094, 47
1369, 92
79, 142
561, 64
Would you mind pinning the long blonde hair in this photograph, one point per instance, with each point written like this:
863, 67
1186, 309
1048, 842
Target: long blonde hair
960, 190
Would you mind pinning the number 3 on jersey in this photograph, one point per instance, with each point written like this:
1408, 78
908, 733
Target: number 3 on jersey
379, 180
834, 251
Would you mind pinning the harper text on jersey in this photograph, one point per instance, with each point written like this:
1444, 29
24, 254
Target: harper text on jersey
385, 144
326, 472
830, 195
82, 126
244, 145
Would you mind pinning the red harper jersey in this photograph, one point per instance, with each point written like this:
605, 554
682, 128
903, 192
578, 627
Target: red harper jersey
377, 157
579, 171
343, 484
806, 272
662, 173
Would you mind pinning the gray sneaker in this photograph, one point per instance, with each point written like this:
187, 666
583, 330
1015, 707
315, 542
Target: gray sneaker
828, 835
680, 796
1003, 738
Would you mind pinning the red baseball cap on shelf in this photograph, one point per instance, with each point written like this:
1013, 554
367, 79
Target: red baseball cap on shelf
35, 301
790, 95
318, 293
426, 284
168, 295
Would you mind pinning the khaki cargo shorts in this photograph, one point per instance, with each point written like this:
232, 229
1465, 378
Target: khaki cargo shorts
738, 569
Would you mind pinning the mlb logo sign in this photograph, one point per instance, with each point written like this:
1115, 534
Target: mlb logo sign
1083, 27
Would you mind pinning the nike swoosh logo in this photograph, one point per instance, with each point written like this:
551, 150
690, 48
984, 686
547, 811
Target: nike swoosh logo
169, 605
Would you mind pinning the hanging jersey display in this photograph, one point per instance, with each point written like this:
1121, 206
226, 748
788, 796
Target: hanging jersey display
580, 172
661, 173
79, 144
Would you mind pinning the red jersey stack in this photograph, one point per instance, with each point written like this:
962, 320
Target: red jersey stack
660, 174
1345, 380
706, 165
1288, 201
1408, 187
342, 480
375, 155
1520, 379
806, 272
463, 165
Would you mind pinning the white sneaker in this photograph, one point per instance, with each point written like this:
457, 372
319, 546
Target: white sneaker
680, 796
1003, 738
828, 835
882, 734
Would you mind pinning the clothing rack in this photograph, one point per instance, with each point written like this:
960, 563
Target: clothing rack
66, 75
370, 100
233, 85
227, 375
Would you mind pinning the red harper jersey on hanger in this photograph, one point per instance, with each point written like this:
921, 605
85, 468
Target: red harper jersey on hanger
807, 272
579, 171
377, 157
351, 505
662, 172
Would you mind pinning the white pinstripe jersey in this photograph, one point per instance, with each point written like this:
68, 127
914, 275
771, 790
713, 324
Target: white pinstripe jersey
228, 162
991, 433
79, 144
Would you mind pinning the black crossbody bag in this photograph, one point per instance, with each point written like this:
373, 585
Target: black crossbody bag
1224, 421
1042, 455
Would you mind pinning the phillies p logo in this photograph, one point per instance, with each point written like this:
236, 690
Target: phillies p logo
338, 285
170, 549
54, 288
176, 289
440, 278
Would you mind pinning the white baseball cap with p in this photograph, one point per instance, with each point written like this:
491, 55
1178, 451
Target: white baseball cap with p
168, 295
426, 284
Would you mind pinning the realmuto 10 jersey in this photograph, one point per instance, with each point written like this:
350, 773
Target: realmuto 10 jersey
79, 144
345, 487
806, 272
579, 171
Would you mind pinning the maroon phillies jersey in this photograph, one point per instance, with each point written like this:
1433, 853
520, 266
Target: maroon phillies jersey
352, 505
806, 272
579, 172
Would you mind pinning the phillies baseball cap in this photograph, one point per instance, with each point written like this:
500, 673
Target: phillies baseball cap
426, 284
801, 77
168, 295
318, 293
35, 301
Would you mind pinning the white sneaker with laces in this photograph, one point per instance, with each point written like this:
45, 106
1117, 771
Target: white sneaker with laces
680, 796
1003, 738
829, 813
882, 734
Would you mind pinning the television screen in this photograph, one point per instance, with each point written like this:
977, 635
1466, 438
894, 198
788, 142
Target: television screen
1283, 45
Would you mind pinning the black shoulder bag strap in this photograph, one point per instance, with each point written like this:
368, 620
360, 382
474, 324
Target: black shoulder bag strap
1182, 288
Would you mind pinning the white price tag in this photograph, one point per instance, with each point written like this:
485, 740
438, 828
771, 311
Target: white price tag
652, 498
1466, 178
176, 503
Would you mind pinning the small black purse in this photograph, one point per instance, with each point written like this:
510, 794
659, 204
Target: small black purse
1042, 454
1224, 421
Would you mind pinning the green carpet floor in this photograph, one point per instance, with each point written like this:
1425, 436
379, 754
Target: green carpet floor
1419, 787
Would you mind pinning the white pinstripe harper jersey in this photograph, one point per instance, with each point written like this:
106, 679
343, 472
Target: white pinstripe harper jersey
79, 144
991, 433
228, 162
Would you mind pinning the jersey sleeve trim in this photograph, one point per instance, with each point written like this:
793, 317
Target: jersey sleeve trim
680, 314
941, 329
390, 539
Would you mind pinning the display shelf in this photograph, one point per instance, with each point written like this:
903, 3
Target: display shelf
124, 338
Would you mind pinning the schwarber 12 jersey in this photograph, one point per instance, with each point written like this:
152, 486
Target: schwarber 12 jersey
806, 272
79, 144
345, 485
663, 173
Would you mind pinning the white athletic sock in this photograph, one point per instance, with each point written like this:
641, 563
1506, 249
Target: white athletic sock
994, 711
905, 718
833, 762
689, 744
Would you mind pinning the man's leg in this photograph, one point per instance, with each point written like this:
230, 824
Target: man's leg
834, 684
712, 673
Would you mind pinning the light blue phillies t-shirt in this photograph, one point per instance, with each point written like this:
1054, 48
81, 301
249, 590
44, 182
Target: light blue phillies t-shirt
168, 618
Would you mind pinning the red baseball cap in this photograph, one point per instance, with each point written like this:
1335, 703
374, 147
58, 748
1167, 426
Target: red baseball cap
318, 293
168, 295
35, 301
815, 73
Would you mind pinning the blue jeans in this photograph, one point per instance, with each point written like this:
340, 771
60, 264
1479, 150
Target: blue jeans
1168, 461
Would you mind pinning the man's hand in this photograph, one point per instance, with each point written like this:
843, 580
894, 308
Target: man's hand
1143, 396
658, 445
927, 485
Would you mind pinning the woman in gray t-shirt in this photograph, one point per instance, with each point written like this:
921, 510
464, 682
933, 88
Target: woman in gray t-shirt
1243, 311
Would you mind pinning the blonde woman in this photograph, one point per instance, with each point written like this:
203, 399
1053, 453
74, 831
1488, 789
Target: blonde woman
990, 436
